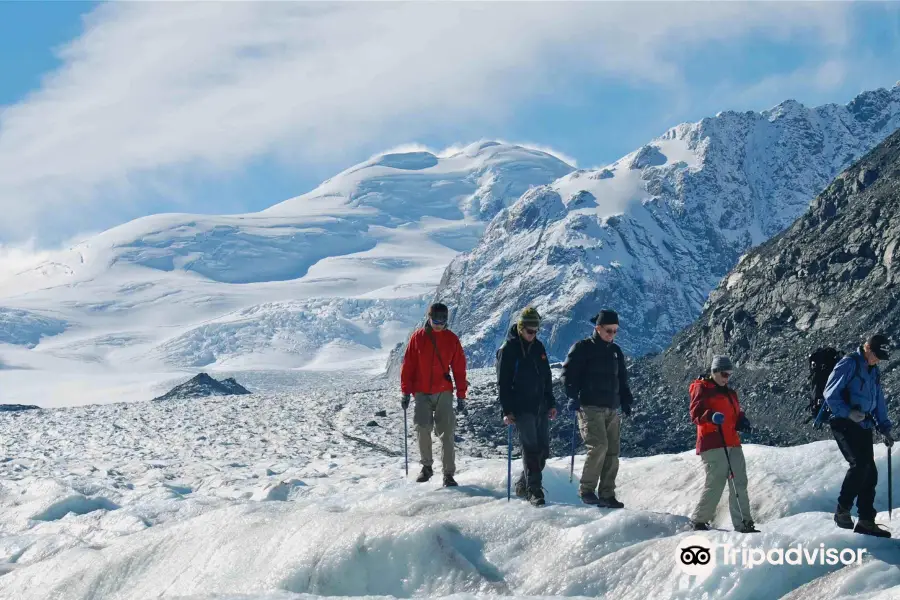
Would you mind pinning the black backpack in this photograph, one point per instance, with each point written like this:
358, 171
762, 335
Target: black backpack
821, 363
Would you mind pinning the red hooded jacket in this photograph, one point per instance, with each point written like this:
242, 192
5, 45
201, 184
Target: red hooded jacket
424, 366
708, 398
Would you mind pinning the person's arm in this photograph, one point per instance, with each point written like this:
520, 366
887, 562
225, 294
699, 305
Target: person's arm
572, 370
505, 374
548, 380
626, 398
458, 364
699, 412
410, 366
881, 416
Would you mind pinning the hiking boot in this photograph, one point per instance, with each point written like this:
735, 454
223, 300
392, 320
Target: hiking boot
610, 502
449, 481
700, 526
589, 498
869, 527
521, 489
747, 527
536, 496
425, 475
842, 517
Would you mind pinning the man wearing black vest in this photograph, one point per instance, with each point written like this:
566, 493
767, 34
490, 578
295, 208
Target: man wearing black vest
596, 383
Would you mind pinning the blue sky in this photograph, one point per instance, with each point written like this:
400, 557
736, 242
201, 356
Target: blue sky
111, 112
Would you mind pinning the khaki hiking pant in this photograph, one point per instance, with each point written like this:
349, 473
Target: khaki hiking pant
436, 411
600, 431
716, 466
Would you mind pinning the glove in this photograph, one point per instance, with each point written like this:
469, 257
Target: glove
743, 424
626, 410
857, 416
461, 407
888, 439
573, 404
404, 403
509, 419
718, 418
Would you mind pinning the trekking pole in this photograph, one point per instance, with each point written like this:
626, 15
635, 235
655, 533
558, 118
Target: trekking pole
405, 449
890, 486
574, 432
731, 474
509, 463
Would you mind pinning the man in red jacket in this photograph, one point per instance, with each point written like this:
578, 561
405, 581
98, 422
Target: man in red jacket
433, 352
715, 410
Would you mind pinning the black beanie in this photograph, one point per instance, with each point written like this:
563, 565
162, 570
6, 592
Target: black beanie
605, 317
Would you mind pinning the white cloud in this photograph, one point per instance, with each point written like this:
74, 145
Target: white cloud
151, 91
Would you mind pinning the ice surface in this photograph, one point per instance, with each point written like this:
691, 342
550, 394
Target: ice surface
284, 494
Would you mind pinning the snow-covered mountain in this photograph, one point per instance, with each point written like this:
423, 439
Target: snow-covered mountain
653, 233
332, 278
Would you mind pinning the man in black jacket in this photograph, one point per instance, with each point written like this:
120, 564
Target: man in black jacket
596, 384
525, 387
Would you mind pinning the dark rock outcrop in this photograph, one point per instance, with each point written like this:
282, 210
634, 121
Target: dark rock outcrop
829, 279
203, 385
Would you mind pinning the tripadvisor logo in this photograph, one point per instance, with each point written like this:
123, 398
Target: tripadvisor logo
798, 554
697, 555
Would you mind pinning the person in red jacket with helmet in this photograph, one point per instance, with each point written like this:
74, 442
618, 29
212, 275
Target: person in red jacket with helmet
719, 418
433, 352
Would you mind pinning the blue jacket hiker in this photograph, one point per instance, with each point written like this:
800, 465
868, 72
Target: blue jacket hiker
855, 398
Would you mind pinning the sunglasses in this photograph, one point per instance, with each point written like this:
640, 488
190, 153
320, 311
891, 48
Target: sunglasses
611, 331
725, 374
439, 322
530, 331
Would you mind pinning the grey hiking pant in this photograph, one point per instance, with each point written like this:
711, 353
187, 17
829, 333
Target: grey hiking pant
599, 428
534, 435
716, 466
435, 411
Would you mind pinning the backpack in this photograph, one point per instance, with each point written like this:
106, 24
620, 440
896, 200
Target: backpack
821, 363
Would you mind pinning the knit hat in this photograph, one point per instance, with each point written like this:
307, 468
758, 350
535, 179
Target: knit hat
721, 363
605, 317
530, 317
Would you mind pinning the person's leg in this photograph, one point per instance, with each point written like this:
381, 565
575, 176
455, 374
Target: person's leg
445, 428
593, 431
611, 461
716, 469
865, 453
423, 418
740, 506
526, 424
845, 434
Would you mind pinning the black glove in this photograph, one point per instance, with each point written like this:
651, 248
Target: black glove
888, 438
743, 424
404, 403
626, 410
461, 407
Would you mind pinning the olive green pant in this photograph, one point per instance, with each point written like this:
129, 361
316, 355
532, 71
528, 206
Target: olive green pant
435, 411
600, 431
715, 463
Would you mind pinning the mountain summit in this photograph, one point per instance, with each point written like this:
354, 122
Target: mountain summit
652, 234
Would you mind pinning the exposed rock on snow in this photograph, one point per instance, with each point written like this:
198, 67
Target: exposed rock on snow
201, 386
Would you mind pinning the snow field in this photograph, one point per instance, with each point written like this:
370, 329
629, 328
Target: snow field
284, 495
